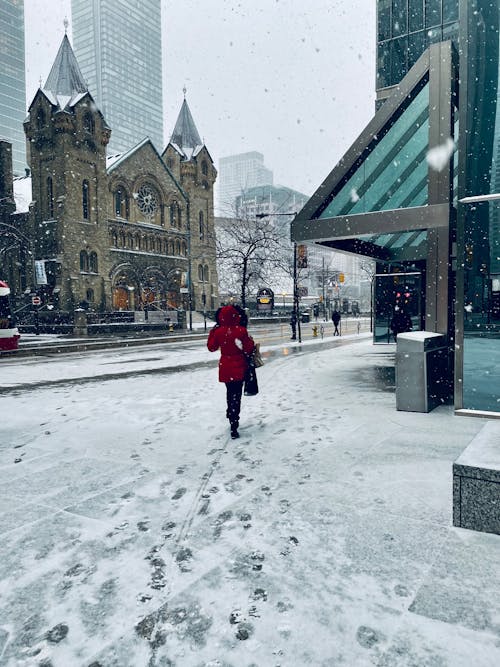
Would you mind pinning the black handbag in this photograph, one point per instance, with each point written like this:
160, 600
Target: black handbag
251, 387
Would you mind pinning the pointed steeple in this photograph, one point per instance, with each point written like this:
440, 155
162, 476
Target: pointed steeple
65, 77
185, 135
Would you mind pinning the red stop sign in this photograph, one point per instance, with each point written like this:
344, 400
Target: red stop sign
36, 300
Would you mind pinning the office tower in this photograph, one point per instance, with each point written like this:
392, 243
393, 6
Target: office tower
12, 80
118, 47
238, 173
405, 28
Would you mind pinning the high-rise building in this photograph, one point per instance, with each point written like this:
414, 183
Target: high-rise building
238, 173
405, 28
12, 80
118, 46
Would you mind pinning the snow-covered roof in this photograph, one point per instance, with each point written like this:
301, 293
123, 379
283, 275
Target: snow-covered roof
185, 138
113, 161
65, 77
22, 193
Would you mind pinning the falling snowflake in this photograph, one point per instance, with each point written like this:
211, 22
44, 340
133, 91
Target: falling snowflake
439, 156
354, 195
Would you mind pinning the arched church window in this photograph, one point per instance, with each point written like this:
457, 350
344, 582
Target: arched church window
84, 261
93, 262
114, 239
184, 248
130, 241
201, 224
122, 239
173, 210
50, 198
90, 295
204, 168
121, 204
85, 200
88, 123
177, 247
205, 273
40, 119
179, 217
200, 272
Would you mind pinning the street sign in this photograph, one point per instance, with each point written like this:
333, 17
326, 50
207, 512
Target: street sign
36, 300
184, 290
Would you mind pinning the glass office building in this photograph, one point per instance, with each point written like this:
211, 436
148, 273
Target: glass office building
118, 47
12, 80
405, 29
419, 192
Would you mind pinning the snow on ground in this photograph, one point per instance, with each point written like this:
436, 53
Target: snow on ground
135, 533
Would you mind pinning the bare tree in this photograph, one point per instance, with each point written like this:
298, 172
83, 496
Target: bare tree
248, 249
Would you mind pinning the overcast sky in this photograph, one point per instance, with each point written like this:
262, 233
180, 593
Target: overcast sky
293, 79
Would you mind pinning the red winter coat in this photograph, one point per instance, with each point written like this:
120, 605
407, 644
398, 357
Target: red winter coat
234, 343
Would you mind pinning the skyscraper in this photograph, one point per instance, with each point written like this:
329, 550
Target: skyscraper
118, 47
12, 79
238, 173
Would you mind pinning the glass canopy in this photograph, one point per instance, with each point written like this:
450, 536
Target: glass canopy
393, 172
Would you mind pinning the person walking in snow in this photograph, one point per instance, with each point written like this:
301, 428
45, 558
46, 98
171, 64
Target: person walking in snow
235, 344
336, 322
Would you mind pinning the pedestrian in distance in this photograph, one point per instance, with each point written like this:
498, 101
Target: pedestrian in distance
293, 324
235, 344
400, 323
336, 321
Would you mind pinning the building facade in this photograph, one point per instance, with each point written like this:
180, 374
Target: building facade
116, 233
237, 174
405, 29
118, 46
12, 80
418, 192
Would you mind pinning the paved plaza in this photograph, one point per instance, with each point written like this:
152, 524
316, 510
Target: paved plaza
135, 533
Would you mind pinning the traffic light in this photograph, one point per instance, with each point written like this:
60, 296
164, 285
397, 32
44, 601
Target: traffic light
316, 309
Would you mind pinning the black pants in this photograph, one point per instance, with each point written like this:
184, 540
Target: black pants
234, 391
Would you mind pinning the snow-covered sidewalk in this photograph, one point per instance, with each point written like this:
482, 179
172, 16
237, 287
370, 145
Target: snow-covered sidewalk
135, 533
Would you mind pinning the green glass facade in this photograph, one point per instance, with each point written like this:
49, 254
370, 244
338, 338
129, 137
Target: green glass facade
478, 360
12, 80
392, 173
405, 28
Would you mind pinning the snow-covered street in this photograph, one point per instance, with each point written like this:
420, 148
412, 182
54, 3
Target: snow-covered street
135, 533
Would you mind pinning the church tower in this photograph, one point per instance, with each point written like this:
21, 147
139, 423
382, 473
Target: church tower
66, 141
190, 162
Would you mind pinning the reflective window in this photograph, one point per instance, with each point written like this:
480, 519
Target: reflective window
394, 173
415, 15
479, 223
399, 17
432, 13
450, 10
384, 19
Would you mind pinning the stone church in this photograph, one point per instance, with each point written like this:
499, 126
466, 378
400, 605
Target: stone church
126, 232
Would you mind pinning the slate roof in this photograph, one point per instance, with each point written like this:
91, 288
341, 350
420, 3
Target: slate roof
185, 137
65, 78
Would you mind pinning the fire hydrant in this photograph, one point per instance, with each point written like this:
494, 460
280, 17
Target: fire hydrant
171, 326
315, 331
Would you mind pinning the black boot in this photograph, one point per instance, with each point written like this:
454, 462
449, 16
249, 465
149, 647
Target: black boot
234, 430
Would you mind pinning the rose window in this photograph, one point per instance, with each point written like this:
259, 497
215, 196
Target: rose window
147, 200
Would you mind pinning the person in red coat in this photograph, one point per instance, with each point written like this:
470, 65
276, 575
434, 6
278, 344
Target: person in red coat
231, 337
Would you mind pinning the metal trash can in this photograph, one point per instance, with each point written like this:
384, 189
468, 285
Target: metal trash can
421, 371
305, 317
